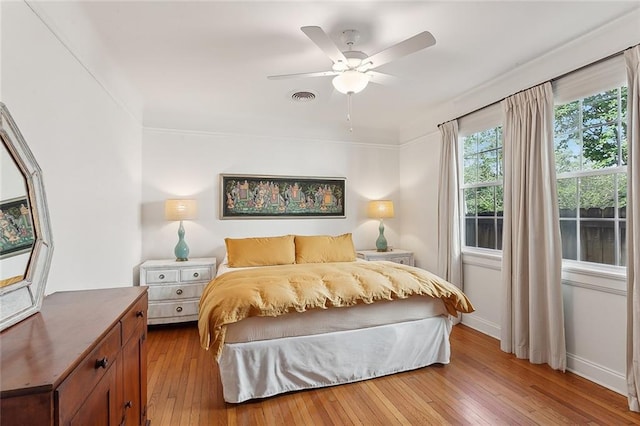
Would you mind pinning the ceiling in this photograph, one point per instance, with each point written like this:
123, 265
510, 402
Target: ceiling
203, 66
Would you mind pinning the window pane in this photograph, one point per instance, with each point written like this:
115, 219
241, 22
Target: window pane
470, 232
623, 100
487, 233
499, 201
597, 196
600, 108
569, 236
500, 226
566, 118
624, 144
470, 208
568, 197
622, 195
499, 136
600, 148
597, 241
487, 166
469, 146
486, 140
471, 169
486, 201
623, 243
567, 147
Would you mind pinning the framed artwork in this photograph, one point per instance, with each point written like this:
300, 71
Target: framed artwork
260, 197
16, 228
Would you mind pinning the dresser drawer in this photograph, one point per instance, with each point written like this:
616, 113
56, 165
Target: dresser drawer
162, 276
195, 274
167, 292
74, 390
174, 309
134, 318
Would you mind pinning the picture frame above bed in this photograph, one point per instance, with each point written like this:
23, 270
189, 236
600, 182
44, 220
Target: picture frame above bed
247, 196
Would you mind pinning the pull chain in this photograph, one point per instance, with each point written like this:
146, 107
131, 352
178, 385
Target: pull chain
349, 111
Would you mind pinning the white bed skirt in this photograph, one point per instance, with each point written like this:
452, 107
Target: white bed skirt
268, 367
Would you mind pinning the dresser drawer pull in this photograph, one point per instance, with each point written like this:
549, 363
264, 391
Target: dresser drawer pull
161, 276
179, 291
128, 404
401, 261
102, 363
179, 309
196, 275
140, 314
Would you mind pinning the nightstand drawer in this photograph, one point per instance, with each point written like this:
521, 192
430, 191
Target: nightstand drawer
166, 292
162, 276
404, 260
174, 309
195, 274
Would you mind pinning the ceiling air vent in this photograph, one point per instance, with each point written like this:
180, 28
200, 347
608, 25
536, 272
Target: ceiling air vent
303, 96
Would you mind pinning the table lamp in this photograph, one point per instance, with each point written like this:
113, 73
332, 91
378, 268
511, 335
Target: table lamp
181, 210
381, 209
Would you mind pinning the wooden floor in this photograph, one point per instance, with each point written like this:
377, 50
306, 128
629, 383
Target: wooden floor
481, 385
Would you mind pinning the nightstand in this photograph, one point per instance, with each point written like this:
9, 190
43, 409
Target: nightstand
404, 257
175, 288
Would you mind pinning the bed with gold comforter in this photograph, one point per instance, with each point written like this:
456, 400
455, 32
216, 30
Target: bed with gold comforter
279, 328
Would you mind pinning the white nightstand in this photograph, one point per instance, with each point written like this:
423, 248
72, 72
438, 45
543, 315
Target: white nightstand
404, 257
175, 288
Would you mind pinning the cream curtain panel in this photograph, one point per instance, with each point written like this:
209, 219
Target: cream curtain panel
632, 59
532, 318
449, 251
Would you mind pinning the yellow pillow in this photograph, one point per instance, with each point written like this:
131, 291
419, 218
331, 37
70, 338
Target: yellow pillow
263, 251
324, 248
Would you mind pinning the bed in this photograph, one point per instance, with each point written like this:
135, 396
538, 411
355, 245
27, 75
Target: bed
300, 312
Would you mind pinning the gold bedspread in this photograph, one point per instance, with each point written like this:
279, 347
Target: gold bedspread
276, 290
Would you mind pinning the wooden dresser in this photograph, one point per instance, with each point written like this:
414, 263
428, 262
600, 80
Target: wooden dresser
80, 361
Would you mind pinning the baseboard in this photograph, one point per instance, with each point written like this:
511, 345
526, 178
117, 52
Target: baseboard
482, 325
596, 373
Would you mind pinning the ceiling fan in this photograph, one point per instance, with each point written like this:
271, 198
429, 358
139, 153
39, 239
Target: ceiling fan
352, 69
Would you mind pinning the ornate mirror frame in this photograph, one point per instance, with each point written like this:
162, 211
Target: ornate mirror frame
24, 298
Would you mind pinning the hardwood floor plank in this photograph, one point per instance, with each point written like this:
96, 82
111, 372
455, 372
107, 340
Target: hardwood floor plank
481, 386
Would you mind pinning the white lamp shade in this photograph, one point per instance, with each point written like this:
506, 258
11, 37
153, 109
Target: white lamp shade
350, 81
380, 209
180, 209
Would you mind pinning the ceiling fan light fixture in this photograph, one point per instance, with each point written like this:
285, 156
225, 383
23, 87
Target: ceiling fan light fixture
350, 81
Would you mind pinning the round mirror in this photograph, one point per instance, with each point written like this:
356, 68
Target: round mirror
25, 233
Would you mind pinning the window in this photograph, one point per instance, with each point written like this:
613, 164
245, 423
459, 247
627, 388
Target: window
481, 188
591, 156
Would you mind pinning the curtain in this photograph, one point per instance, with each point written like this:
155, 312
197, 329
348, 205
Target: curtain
449, 257
632, 59
532, 325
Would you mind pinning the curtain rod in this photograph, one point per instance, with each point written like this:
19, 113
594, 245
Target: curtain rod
596, 62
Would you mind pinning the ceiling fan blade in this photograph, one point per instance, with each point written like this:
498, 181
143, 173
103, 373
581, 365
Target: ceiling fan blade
322, 40
410, 45
381, 78
304, 74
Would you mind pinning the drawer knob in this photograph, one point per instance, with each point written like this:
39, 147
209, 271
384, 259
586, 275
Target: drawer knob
179, 309
402, 261
140, 314
102, 363
161, 276
128, 404
179, 291
196, 275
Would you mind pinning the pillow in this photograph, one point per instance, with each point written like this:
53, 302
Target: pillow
263, 251
324, 248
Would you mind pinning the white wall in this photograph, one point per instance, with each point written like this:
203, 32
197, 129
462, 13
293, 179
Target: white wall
594, 303
179, 164
88, 148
